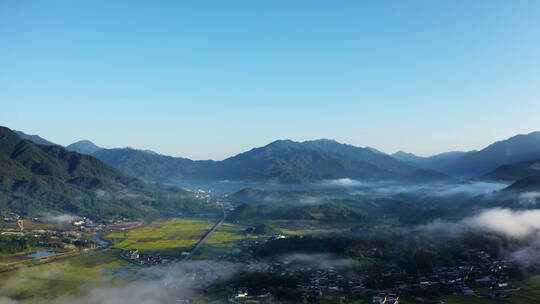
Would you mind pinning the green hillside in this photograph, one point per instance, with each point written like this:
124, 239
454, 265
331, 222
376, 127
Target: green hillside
35, 179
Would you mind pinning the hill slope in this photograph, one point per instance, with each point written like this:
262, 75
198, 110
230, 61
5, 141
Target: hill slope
530, 183
514, 172
38, 178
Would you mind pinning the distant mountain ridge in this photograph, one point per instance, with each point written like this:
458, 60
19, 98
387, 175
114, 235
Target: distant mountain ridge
82, 146
298, 162
35, 138
283, 161
519, 148
523, 147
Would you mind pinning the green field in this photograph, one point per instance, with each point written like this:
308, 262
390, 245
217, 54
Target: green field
165, 237
63, 278
228, 237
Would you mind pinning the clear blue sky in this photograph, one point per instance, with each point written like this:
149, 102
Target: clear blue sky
208, 79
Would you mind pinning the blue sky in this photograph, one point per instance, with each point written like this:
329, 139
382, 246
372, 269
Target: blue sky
208, 79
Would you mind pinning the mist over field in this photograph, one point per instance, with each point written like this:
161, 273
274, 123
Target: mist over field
166, 284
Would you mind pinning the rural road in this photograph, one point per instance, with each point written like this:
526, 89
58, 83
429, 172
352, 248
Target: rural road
206, 236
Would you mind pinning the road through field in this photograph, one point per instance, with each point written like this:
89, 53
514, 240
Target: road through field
206, 236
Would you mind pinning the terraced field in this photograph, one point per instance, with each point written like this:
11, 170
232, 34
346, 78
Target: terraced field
165, 237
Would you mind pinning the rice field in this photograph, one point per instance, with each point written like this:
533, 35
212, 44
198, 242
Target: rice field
165, 237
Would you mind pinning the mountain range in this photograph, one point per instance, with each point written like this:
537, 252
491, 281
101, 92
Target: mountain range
287, 161
282, 161
519, 148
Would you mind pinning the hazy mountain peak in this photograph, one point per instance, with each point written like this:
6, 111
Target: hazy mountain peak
84, 147
280, 142
143, 150
403, 153
535, 134
405, 156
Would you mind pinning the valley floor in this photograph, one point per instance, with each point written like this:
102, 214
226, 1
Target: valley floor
171, 239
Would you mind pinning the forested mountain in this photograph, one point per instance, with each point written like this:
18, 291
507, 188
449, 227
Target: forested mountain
530, 183
38, 178
282, 161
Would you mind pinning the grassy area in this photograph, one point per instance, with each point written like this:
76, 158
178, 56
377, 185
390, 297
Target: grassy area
165, 237
63, 278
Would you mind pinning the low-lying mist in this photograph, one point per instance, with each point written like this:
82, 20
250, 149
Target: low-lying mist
390, 188
157, 285
523, 226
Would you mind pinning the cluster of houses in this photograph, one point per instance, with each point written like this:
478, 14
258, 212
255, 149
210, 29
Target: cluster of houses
53, 238
145, 260
328, 283
483, 273
87, 223
486, 273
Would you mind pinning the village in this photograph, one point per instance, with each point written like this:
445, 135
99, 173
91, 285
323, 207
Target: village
385, 287
43, 238
69, 236
144, 260
334, 284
